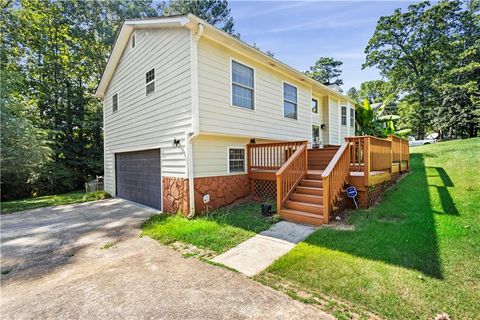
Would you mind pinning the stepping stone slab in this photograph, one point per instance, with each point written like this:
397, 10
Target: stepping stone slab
259, 252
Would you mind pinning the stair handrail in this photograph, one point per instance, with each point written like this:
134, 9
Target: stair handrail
334, 178
290, 174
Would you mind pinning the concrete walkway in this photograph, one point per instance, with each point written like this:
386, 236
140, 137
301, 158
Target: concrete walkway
257, 253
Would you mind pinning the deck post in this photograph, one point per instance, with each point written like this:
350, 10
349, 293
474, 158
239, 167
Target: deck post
306, 158
279, 195
391, 154
366, 161
326, 200
249, 159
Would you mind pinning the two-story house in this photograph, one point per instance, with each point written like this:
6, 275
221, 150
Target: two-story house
183, 99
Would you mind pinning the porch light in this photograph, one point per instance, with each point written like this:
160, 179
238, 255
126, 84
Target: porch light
176, 143
323, 126
253, 140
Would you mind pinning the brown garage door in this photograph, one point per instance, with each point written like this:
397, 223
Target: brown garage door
138, 177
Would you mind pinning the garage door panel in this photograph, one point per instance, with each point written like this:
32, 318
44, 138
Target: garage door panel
138, 177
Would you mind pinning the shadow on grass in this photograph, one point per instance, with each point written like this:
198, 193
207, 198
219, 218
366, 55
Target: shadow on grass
400, 231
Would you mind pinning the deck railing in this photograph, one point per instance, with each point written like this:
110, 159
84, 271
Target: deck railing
380, 154
271, 156
400, 151
290, 174
334, 178
369, 154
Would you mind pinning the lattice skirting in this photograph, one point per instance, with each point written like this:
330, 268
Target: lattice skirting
264, 189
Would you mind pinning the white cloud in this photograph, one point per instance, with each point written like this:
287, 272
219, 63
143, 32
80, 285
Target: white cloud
329, 22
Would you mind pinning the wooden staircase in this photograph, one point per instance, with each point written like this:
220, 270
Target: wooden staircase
305, 203
313, 196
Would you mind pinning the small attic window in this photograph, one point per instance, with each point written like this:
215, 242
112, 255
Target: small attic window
115, 102
133, 40
150, 81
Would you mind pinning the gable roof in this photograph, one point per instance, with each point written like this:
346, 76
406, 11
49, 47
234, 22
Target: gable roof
192, 22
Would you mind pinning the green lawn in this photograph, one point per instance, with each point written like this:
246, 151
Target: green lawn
415, 255
218, 232
52, 200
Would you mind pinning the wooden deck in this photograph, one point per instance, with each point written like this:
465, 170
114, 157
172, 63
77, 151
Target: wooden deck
376, 177
308, 183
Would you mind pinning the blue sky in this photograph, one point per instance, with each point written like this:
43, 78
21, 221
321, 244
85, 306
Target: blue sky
299, 32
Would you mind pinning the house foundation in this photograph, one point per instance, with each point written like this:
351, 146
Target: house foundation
215, 192
175, 195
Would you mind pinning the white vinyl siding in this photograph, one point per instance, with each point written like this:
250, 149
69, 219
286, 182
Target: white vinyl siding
210, 157
325, 120
266, 121
333, 121
153, 121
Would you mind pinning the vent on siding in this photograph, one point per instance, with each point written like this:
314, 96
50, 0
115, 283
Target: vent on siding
150, 81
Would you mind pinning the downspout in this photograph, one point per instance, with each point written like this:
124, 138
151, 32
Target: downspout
195, 115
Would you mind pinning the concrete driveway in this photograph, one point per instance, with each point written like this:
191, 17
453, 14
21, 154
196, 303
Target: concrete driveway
54, 267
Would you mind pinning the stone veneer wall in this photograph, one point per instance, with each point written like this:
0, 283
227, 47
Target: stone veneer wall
175, 195
223, 190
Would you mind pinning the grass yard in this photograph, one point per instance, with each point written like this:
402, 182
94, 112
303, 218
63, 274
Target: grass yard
52, 200
413, 256
218, 232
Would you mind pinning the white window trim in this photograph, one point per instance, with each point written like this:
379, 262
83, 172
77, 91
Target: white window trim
118, 102
154, 80
134, 35
283, 100
318, 107
254, 85
228, 161
346, 115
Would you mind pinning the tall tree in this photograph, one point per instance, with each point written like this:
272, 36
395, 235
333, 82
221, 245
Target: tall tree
215, 12
459, 86
25, 148
352, 93
61, 47
327, 71
409, 49
372, 90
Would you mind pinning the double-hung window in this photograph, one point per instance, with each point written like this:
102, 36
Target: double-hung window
242, 86
344, 115
289, 101
236, 160
352, 117
314, 105
150, 81
115, 102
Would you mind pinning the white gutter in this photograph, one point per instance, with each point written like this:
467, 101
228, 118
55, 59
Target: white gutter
195, 36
